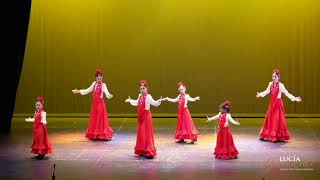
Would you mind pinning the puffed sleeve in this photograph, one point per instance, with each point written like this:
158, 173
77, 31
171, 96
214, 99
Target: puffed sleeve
265, 92
44, 117
285, 91
106, 91
216, 117
88, 90
175, 99
229, 118
134, 102
151, 101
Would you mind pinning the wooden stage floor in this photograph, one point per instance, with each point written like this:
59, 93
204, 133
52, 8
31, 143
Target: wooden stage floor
78, 158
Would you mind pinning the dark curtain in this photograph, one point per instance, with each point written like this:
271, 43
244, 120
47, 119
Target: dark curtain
14, 25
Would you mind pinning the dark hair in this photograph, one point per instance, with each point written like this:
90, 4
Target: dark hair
225, 106
144, 85
42, 102
96, 75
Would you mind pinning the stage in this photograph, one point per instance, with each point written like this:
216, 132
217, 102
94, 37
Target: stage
78, 158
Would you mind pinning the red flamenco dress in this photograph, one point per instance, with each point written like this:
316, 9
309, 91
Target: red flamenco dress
185, 127
275, 125
99, 127
225, 148
145, 138
41, 144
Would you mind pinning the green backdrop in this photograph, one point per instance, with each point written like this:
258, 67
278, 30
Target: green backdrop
221, 49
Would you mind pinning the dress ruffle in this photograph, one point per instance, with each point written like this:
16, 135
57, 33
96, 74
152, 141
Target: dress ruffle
183, 134
226, 153
148, 152
41, 151
273, 136
105, 134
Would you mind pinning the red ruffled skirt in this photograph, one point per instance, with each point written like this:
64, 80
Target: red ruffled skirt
145, 136
99, 127
225, 148
41, 144
185, 127
275, 125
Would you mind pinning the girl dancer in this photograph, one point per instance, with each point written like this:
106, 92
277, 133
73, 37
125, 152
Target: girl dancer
145, 138
99, 127
41, 144
275, 127
225, 148
185, 127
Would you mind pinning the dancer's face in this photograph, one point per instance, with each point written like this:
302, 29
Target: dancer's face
275, 77
222, 110
182, 89
38, 105
143, 89
99, 78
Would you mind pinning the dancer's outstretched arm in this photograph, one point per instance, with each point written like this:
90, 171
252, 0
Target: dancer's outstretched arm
132, 101
192, 99
290, 96
216, 117
173, 100
229, 118
265, 92
84, 91
152, 101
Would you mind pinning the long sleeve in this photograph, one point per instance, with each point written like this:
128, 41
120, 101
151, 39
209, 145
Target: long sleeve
216, 117
134, 102
265, 92
175, 99
151, 101
44, 117
285, 91
229, 118
106, 91
88, 90
189, 98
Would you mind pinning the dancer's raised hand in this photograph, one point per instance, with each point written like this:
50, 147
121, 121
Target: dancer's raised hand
258, 95
29, 119
128, 100
75, 91
298, 99
208, 119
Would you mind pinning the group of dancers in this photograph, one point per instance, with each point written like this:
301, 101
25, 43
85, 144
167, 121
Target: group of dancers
274, 128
